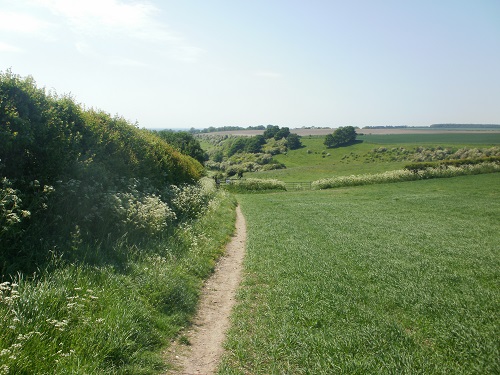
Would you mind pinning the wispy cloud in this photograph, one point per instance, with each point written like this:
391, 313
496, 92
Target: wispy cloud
116, 19
21, 23
91, 16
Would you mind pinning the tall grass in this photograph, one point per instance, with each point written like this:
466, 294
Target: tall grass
399, 279
104, 314
107, 232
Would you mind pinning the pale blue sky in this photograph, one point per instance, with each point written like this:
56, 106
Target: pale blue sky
200, 63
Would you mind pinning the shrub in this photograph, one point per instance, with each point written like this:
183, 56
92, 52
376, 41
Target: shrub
64, 167
185, 142
190, 201
255, 185
343, 136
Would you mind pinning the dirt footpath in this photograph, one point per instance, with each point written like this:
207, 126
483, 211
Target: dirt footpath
207, 334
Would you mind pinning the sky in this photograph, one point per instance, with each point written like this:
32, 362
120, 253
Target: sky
294, 63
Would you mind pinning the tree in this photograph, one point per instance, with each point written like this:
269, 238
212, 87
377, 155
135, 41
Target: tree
282, 133
270, 131
237, 146
254, 144
185, 142
293, 141
343, 136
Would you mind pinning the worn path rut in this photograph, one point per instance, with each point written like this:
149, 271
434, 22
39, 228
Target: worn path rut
207, 333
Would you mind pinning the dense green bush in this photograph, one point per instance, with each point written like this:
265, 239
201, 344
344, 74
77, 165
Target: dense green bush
106, 233
245, 162
64, 170
254, 185
342, 136
232, 155
185, 142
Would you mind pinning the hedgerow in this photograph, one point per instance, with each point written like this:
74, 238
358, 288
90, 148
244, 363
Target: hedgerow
429, 154
451, 162
407, 175
64, 167
254, 185
106, 235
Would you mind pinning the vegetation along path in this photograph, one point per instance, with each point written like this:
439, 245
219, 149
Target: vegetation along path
205, 339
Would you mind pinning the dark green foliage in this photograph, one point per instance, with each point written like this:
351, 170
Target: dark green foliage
343, 136
61, 166
282, 133
90, 210
41, 135
185, 143
252, 145
274, 131
271, 131
218, 156
293, 141
415, 167
238, 145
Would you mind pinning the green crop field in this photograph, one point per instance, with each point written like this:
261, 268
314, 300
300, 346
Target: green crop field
397, 278
478, 139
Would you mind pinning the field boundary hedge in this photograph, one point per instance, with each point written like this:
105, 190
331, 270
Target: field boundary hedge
440, 171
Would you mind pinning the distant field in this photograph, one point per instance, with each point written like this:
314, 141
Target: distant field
445, 138
384, 279
312, 162
423, 130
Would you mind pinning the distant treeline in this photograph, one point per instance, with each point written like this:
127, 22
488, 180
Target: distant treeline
468, 126
386, 127
213, 129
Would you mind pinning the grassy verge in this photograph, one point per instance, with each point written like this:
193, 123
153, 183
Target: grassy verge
399, 278
111, 318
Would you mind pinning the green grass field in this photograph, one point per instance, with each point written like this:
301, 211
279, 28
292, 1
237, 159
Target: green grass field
477, 139
396, 278
312, 162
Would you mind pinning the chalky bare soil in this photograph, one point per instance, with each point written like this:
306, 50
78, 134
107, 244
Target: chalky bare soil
201, 349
